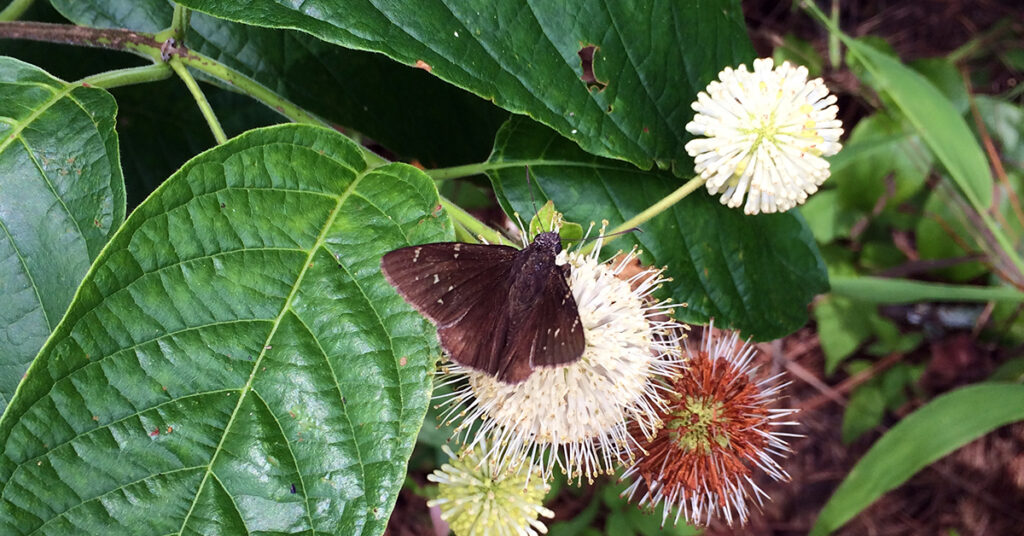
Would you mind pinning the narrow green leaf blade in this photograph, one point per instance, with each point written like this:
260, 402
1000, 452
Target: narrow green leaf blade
935, 119
886, 290
61, 197
943, 425
234, 361
650, 58
752, 273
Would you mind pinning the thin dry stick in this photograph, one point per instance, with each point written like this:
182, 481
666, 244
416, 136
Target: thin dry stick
849, 384
827, 392
990, 148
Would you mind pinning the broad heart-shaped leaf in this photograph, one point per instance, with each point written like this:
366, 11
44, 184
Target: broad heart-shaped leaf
234, 362
61, 197
943, 425
753, 273
407, 110
651, 57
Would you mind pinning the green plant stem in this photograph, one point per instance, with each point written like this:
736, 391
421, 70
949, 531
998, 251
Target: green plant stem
130, 76
197, 94
833, 39
473, 226
885, 290
968, 49
251, 88
15, 9
463, 235
179, 22
661, 206
148, 46
480, 168
647, 214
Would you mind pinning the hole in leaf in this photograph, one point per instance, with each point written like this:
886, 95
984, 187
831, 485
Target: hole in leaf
587, 61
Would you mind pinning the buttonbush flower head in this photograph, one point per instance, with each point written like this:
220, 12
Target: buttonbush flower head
475, 502
575, 416
719, 428
765, 133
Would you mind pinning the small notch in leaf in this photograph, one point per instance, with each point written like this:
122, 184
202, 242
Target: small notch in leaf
587, 60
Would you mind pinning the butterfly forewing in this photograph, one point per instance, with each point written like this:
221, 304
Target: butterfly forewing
443, 281
478, 339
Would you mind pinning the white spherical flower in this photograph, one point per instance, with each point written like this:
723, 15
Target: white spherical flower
574, 416
475, 502
765, 132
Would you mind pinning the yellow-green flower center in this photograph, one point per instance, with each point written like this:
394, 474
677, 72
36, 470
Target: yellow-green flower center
697, 426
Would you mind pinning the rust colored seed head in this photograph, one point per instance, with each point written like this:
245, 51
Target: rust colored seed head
719, 428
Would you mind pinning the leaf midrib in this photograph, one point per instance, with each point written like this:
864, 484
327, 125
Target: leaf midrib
15, 134
285, 307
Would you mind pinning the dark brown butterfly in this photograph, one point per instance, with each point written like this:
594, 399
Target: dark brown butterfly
497, 309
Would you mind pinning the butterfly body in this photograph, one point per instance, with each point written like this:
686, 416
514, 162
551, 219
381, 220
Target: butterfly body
498, 310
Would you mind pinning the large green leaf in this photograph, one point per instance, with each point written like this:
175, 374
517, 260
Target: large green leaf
407, 110
753, 273
61, 197
651, 57
234, 362
943, 425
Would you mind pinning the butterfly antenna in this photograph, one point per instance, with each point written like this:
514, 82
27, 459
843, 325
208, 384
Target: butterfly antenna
529, 188
602, 235
586, 235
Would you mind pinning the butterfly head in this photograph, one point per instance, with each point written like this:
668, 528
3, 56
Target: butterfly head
548, 242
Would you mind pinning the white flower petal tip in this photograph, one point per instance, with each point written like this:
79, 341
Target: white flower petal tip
764, 135
574, 417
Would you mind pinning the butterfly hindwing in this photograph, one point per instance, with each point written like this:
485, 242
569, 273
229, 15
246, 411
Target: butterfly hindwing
549, 334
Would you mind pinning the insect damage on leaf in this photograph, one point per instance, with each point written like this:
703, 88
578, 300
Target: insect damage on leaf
587, 62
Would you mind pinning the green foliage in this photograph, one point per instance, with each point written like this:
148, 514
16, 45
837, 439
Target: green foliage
544, 221
943, 425
621, 518
869, 401
882, 290
935, 119
61, 197
799, 52
224, 369
880, 161
1005, 123
843, 325
397, 106
525, 58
